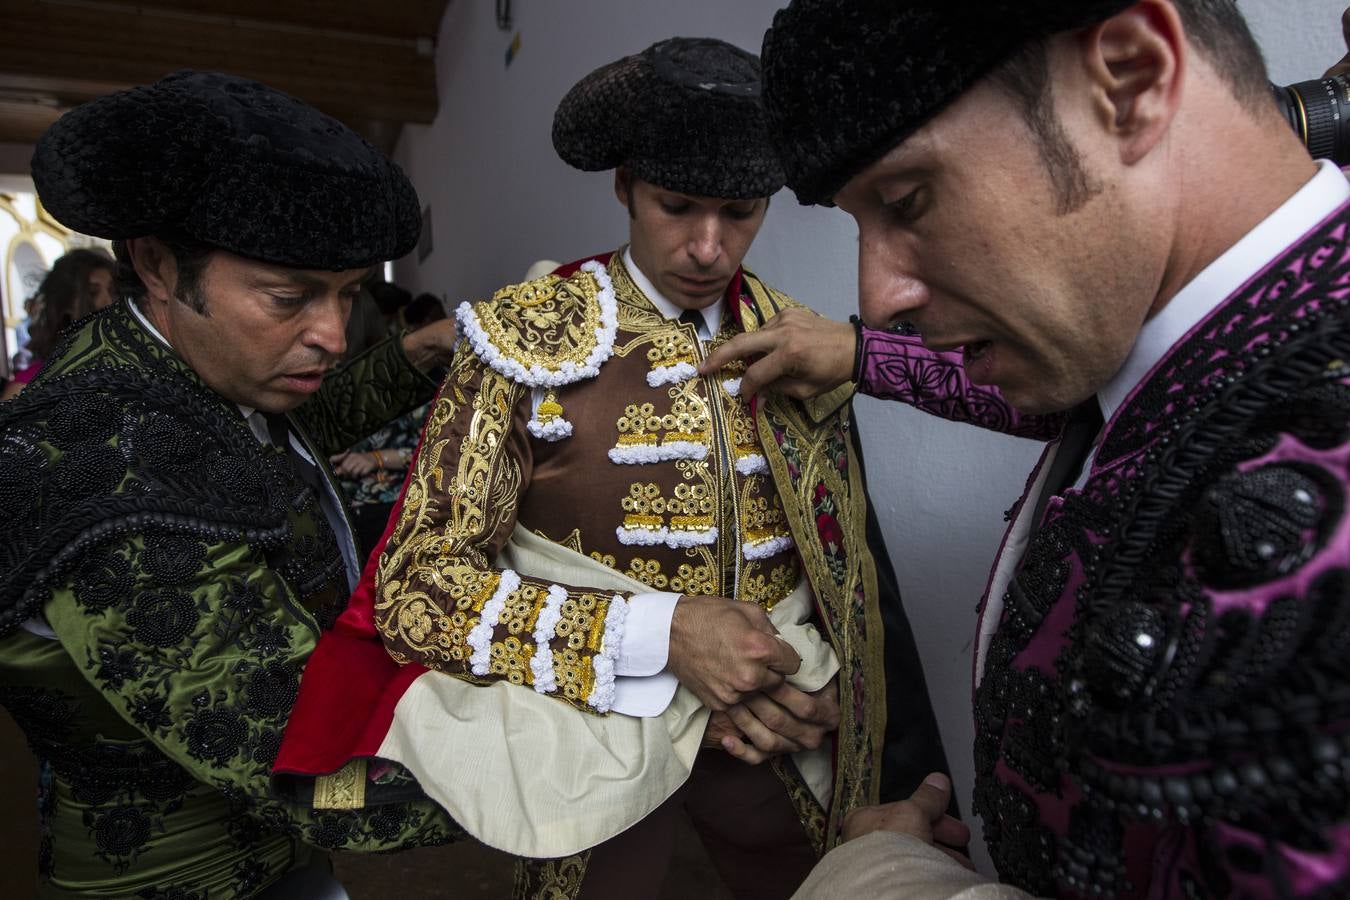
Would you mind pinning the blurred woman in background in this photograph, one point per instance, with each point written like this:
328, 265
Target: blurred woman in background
79, 283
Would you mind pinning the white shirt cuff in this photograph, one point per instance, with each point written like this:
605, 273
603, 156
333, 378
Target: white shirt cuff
641, 686
646, 634
644, 697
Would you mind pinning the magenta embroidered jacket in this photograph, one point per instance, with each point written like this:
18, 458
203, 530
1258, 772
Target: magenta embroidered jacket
1164, 707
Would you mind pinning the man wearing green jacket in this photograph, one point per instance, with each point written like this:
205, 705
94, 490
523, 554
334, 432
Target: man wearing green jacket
174, 544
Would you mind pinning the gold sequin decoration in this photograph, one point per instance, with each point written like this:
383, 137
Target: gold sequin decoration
648, 571
768, 588
671, 349
686, 421
762, 517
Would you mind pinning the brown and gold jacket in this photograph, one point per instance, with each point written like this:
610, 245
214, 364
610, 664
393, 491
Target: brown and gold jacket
574, 410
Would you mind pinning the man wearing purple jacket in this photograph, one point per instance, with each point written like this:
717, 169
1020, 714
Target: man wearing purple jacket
1106, 233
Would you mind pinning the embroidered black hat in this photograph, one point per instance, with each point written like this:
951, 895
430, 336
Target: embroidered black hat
847, 80
230, 163
684, 114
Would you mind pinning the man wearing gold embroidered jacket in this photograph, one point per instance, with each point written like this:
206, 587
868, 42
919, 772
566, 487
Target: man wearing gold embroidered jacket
589, 522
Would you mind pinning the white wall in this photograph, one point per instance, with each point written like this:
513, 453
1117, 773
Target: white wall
501, 199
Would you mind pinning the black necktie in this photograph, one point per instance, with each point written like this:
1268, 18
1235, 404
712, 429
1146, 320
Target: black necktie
695, 317
279, 430
1080, 432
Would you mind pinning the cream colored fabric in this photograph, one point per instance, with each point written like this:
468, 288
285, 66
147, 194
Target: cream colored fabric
539, 268
889, 866
532, 776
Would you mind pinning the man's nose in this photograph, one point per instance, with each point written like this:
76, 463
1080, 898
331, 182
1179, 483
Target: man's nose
326, 328
705, 244
889, 291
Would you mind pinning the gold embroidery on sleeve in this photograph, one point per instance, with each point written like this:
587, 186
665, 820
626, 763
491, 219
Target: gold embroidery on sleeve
425, 561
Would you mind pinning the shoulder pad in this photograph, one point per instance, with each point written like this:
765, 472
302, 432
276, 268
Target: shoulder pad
547, 332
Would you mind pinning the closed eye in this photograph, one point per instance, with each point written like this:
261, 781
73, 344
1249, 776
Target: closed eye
289, 301
905, 209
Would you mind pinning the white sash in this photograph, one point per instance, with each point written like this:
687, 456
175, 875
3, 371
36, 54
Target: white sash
528, 774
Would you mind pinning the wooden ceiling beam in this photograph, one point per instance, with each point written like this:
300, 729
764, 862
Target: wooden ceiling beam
348, 76
23, 123
410, 19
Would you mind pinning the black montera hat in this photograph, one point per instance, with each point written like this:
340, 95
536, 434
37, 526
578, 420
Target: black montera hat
847, 80
230, 163
684, 114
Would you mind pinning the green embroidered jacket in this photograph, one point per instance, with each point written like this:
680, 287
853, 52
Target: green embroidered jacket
163, 578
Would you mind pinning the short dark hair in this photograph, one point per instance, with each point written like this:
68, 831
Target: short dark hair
423, 310
389, 297
190, 257
1027, 78
1219, 30
1216, 27
63, 298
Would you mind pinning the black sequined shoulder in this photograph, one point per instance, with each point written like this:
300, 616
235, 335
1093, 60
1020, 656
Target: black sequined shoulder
117, 436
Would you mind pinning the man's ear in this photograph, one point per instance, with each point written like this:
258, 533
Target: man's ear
1136, 61
156, 267
623, 183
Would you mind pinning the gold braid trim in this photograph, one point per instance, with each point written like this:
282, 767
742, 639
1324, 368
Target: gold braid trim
808, 809
434, 579
550, 879
854, 629
344, 789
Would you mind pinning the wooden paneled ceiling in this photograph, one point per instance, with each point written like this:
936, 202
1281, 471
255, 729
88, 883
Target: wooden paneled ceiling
369, 63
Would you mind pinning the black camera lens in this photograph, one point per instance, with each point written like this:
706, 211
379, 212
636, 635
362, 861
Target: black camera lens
1319, 113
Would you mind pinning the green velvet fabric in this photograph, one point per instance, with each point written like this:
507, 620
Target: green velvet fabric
185, 573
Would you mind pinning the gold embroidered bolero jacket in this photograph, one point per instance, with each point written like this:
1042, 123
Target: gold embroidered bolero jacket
574, 410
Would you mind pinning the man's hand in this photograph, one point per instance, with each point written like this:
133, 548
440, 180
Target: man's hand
432, 345
923, 815
780, 720
352, 465
723, 650
798, 353
720, 730
1342, 67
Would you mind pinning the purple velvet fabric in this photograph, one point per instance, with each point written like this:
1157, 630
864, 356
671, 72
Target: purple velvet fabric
898, 367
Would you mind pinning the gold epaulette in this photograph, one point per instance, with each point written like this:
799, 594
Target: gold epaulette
547, 332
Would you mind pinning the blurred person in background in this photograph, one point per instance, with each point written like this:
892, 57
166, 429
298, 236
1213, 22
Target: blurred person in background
372, 471
391, 300
79, 283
